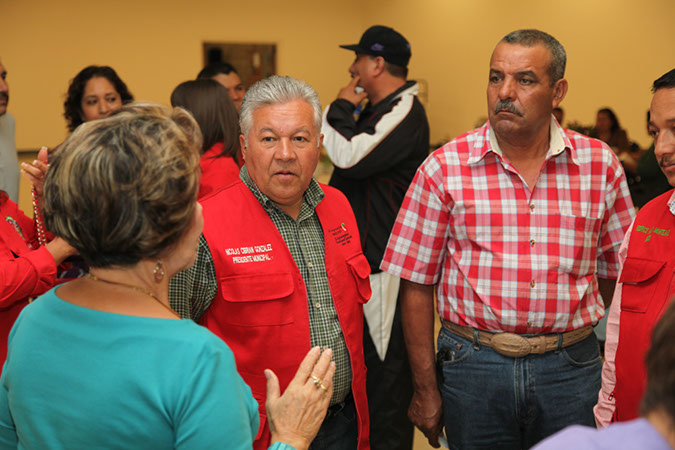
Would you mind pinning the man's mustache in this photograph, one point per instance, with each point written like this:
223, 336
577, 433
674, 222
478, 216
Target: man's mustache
507, 105
4, 96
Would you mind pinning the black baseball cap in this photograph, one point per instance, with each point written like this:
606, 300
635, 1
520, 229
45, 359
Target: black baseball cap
386, 42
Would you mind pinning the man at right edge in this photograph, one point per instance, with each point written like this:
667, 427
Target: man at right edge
645, 286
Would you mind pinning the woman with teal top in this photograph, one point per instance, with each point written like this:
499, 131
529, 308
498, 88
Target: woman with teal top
103, 361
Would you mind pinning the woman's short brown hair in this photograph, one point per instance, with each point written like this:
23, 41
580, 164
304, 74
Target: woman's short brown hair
124, 188
211, 106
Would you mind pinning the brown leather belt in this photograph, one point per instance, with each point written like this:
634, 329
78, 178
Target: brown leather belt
515, 345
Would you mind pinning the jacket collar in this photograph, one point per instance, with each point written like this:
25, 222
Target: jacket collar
409, 88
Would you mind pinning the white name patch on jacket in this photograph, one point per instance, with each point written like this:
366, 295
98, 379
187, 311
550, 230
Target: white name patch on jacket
250, 253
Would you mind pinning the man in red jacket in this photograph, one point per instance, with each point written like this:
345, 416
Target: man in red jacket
645, 285
280, 267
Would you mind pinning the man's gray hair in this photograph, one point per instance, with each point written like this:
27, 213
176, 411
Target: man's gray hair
277, 90
532, 37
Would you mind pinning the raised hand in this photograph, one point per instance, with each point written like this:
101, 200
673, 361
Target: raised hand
35, 172
295, 417
349, 92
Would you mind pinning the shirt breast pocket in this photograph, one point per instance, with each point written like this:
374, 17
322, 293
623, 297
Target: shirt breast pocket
641, 280
258, 300
577, 244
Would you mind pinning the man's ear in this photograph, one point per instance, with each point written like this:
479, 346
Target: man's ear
378, 65
559, 91
242, 146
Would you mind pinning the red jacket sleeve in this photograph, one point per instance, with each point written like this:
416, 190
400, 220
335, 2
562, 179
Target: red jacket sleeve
33, 272
26, 276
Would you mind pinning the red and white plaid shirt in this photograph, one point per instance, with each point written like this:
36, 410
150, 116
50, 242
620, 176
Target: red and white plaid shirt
507, 257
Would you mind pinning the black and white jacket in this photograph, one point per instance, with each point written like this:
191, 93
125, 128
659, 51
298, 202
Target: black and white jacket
375, 159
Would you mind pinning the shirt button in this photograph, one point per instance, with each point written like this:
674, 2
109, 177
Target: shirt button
532, 242
317, 305
532, 283
532, 207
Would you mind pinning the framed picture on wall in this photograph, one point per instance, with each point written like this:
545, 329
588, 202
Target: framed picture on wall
252, 61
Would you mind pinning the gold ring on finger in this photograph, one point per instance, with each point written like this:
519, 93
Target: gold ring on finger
325, 389
317, 381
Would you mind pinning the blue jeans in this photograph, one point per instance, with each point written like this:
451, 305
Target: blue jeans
339, 431
491, 401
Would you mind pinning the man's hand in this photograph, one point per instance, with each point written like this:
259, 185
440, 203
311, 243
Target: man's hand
426, 413
349, 92
417, 314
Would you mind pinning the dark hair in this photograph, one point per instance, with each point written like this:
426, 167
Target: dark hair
612, 118
396, 71
213, 69
73, 104
124, 188
212, 108
665, 81
532, 37
660, 365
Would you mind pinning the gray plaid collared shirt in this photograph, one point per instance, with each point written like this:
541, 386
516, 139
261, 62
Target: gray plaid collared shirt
192, 290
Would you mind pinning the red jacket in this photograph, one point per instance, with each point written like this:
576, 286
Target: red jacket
217, 171
24, 272
647, 278
261, 309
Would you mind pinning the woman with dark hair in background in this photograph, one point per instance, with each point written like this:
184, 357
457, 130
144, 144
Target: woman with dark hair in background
608, 130
218, 120
103, 361
94, 93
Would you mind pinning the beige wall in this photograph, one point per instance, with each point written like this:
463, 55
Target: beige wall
154, 45
616, 49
